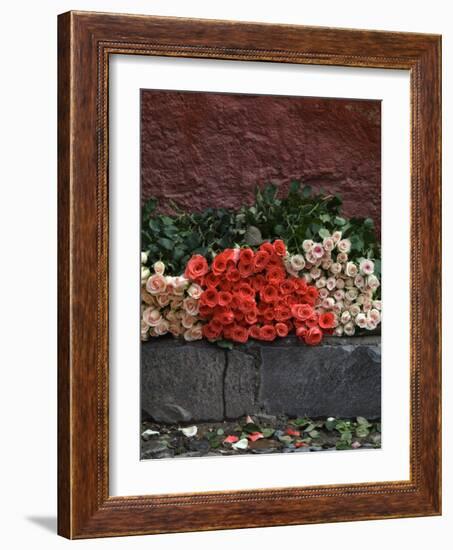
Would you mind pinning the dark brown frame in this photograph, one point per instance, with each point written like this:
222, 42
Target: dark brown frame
85, 42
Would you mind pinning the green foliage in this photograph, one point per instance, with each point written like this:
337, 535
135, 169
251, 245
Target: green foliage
300, 215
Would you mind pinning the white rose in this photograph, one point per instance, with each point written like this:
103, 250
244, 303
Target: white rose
151, 316
144, 257
339, 294
195, 291
331, 283
361, 320
317, 250
144, 330
163, 299
345, 317
359, 281
352, 294
374, 315
190, 306
161, 328
145, 273
335, 268
326, 263
297, 262
329, 244
372, 282
307, 278
344, 245
336, 236
377, 304
370, 324
193, 333
187, 320
342, 258
351, 269
328, 303
307, 245
176, 328
156, 284
354, 310
349, 329
315, 272
338, 331
366, 267
159, 268
323, 293
321, 282
340, 284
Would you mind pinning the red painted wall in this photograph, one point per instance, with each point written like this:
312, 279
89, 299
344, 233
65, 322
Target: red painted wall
212, 149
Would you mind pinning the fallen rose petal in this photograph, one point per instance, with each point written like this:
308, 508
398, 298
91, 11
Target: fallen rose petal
356, 445
231, 439
290, 431
149, 433
241, 444
255, 436
300, 444
249, 420
190, 431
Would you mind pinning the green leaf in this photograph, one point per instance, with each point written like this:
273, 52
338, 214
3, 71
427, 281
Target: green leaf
363, 421
153, 225
362, 431
224, 344
251, 428
339, 221
268, 432
166, 243
306, 192
323, 233
294, 187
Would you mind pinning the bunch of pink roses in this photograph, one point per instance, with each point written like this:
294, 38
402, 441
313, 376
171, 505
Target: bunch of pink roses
169, 305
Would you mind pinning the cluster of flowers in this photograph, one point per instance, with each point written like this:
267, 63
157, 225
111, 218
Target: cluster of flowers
250, 294
345, 288
169, 304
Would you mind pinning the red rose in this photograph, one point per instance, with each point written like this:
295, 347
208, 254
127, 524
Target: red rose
292, 299
282, 312
245, 268
301, 312
258, 282
209, 298
269, 294
288, 286
279, 247
254, 332
250, 317
224, 298
312, 321
233, 275
205, 311
245, 290
247, 304
212, 330
301, 332
312, 294
281, 329
219, 264
274, 261
211, 280
275, 275
197, 267
267, 247
224, 317
313, 336
226, 286
267, 333
301, 286
327, 320
239, 334
246, 255
239, 316
269, 314
261, 260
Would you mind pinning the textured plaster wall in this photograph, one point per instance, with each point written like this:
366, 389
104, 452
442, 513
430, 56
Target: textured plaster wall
211, 149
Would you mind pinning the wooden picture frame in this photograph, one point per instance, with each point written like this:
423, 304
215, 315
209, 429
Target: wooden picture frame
85, 42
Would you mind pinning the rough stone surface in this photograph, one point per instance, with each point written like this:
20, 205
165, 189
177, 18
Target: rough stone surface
241, 380
182, 382
190, 382
330, 380
212, 149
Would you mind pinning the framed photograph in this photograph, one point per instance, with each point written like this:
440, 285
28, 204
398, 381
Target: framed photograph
249, 275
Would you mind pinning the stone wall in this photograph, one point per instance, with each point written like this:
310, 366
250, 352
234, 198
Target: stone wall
198, 381
212, 149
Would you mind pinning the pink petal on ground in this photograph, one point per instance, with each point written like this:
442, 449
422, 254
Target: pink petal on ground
231, 439
255, 436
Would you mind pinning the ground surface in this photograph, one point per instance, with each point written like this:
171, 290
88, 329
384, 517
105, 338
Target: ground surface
257, 435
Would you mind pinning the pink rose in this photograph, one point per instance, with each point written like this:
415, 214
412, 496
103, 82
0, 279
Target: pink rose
156, 284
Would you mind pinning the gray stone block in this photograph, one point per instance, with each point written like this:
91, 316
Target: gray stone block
182, 382
339, 378
241, 382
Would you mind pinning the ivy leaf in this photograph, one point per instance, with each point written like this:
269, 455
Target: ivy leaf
323, 233
166, 243
253, 236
